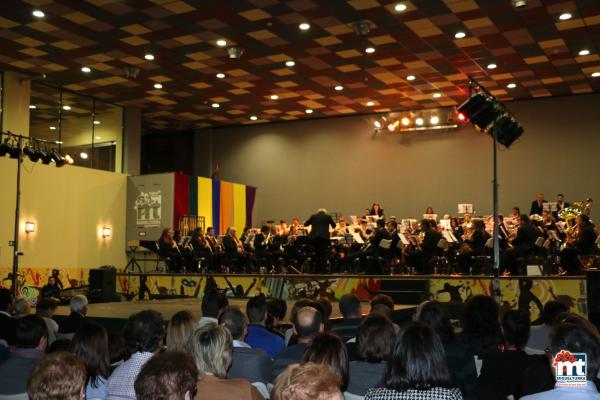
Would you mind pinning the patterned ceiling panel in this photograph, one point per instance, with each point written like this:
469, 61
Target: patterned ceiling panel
532, 48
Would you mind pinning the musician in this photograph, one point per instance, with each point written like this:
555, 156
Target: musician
212, 240
429, 210
319, 236
547, 221
261, 241
167, 248
521, 246
51, 289
457, 230
479, 238
502, 232
537, 206
342, 228
234, 249
587, 210
201, 248
392, 228
581, 242
560, 205
376, 210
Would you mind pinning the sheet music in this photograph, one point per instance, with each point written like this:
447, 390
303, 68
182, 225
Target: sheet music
448, 236
430, 216
403, 239
445, 224
550, 206
357, 238
465, 208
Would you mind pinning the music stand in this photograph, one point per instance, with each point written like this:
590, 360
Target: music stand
133, 261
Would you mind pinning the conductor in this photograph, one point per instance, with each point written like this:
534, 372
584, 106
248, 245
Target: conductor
319, 236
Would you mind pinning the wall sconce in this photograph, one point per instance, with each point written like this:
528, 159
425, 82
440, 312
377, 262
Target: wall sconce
29, 227
106, 232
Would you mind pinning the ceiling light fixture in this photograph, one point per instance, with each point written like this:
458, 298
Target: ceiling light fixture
400, 7
596, 74
565, 16
511, 85
304, 26
52, 128
370, 104
370, 50
519, 3
405, 121
215, 105
83, 155
419, 121
66, 107
220, 75
437, 95
584, 52
492, 66
32, 107
158, 86
434, 120
38, 14
460, 35
274, 97
221, 42
86, 69
308, 111
339, 88
149, 57
235, 51
253, 117
410, 78
290, 63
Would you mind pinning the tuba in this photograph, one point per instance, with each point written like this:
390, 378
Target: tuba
569, 214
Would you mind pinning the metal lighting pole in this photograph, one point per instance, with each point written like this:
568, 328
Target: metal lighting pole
15, 243
496, 270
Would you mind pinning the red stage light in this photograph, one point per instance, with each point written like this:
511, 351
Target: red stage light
461, 117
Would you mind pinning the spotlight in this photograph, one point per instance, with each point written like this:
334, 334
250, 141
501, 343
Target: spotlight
480, 109
290, 63
47, 158
434, 120
595, 74
158, 86
461, 116
405, 121
69, 159
149, 57
33, 154
96, 122
221, 42
58, 159
410, 78
52, 128
253, 117
419, 121
106, 232
38, 155
38, 14
506, 129
339, 88
14, 151
400, 7
32, 107
460, 35
377, 124
519, 3
221, 75
370, 50
86, 69
5, 147
565, 16
492, 66
304, 26
66, 107
235, 51
584, 52
392, 127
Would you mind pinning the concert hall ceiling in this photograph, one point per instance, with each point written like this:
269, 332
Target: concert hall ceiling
419, 60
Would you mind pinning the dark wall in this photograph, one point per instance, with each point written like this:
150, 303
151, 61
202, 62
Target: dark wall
168, 152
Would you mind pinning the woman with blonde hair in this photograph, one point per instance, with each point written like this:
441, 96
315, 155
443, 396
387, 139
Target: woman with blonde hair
212, 346
180, 328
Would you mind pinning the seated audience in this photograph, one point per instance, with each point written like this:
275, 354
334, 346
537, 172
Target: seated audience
308, 381
574, 338
384, 305
58, 376
324, 306
8, 325
329, 349
76, 319
481, 325
351, 312
375, 341
259, 337
254, 365
31, 340
417, 368
90, 343
21, 308
502, 368
289, 333
45, 308
459, 358
307, 324
276, 309
171, 375
213, 304
116, 349
144, 334
180, 328
540, 334
211, 345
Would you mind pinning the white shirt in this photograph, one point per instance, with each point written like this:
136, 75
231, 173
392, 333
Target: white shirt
587, 392
240, 343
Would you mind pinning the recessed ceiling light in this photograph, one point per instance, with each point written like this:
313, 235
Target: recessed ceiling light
158, 86
38, 13
149, 57
215, 105
460, 35
86, 69
511, 85
221, 42
308, 111
370, 104
410, 78
595, 74
66, 108
370, 50
304, 26
96, 122
253, 117
565, 16
419, 121
400, 7
584, 52
52, 128
274, 97
98, 137
437, 95
339, 88
83, 155
290, 63
32, 106
220, 75
492, 66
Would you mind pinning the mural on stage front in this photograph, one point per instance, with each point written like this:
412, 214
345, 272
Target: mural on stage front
31, 280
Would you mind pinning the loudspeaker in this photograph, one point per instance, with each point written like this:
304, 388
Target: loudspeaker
103, 285
593, 291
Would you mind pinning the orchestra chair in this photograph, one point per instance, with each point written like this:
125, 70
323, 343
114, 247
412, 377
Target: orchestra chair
440, 260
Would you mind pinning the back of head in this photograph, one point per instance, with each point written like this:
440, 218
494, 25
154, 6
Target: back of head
349, 306
46, 305
144, 331
213, 303
576, 338
516, 328
6, 299
300, 303
30, 332
308, 322
524, 219
166, 376
22, 307
211, 345
277, 308
57, 376
181, 326
433, 314
418, 360
381, 309
235, 321
326, 307
329, 350
308, 381
383, 299
375, 339
551, 310
91, 344
79, 304
256, 309
481, 317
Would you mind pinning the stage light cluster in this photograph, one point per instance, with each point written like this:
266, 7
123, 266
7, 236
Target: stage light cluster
12, 145
445, 118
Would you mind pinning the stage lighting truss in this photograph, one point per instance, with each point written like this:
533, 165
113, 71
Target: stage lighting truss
16, 145
444, 119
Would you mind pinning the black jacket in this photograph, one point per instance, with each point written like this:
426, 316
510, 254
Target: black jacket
320, 223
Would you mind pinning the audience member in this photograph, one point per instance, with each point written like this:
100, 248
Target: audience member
211, 345
90, 343
213, 303
45, 308
171, 375
289, 334
259, 336
325, 309
350, 309
31, 340
76, 319
8, 325
277, 309
59, 345
254, 365
58, 376
144, 334
116, 349
481, 325
459, 358
384, 305
375, 340
308, 381
307, 324
502, 367
21, 308
329, 349
540, 334
417, 368
180, 328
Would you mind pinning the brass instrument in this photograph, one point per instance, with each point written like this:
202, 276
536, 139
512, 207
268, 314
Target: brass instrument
569, 214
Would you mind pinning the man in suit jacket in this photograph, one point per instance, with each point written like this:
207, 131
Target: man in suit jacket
537, 206
319, 235
76, 319
254, 365
8, 324
561, 204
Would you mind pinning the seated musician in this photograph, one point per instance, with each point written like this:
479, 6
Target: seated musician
212, 240
429, 211
457, 229
479, 238
420, 258
579, 243
201, 248
342, 228
472, 246
261, 242
167, 248
376, 210
503, 233
548, 222
234, 248
521, 246
561, 204
51, 289
395, 251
